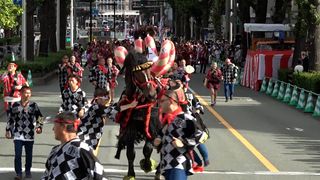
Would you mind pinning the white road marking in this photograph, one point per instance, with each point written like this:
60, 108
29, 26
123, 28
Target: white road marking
265, 173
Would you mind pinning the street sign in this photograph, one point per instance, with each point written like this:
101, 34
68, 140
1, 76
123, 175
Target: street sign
17, 2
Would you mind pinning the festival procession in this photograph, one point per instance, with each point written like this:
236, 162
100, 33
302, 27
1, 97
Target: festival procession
163, 90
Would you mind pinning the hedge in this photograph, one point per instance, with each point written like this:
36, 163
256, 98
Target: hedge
41, 65
285, 75
307, 80
10, 41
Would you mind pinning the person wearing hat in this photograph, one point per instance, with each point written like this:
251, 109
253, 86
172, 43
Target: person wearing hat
73, 158
73, 98
12, 83
24, 118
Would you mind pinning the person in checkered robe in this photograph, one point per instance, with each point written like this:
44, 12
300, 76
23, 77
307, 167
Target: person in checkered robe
177, 138
99, 75
229, 72
73, 158
24, 118
63, 74
91, 127
73, 98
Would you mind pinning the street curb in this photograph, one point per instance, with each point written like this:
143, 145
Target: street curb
44, 79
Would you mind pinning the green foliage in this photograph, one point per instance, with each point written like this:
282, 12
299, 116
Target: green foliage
10, 41
308, 80
284, 74
9, 13
42, 65
307, 16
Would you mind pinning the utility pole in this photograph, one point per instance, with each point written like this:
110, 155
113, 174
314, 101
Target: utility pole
90, 23
58, 26
24, 31
71, 25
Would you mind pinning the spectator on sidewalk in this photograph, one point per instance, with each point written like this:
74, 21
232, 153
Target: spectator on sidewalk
72, 159
24, 118
12, 83
229, 71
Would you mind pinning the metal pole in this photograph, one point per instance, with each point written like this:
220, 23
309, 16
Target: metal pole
71, 25
24, 31
58, 26
90, 24
114, 20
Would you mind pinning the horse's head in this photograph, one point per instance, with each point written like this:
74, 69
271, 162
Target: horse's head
138, 75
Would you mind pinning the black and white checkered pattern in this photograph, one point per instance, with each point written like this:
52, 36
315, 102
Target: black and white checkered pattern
193, 104
101, 78
229, 73
72, 160
91, 127
63, 76
23, 120
184, 128
73, 101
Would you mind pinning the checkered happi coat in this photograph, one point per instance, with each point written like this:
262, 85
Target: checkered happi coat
91, 127
184, 128
23, 120
73, 160
63, 76
100, 77
229, 73
73, 101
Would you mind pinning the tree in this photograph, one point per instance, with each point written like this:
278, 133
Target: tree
306, 29
64, 12
281, 7
8, 14
47, 14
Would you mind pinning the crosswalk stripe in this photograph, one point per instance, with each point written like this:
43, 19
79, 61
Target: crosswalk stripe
265, 173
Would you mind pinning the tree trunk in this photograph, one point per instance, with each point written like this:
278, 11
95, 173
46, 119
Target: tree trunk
280, 11
244, 7
30, 32
52, 26
261, 14
44, 28
187, 27
63, 23
315, 65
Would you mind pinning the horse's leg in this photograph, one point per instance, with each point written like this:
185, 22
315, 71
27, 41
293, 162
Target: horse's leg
131, 154
147, 164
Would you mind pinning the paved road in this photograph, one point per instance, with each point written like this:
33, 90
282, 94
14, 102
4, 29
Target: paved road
252, 137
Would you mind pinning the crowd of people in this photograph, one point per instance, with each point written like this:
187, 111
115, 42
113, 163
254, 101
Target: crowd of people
79, 122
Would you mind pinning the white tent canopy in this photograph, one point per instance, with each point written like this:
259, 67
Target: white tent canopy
250, 27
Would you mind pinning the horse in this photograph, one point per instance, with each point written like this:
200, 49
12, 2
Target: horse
142, 122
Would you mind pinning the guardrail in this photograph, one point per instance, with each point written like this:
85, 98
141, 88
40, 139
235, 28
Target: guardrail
292, 95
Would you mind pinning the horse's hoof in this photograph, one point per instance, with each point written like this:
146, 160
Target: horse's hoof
129, 178
158, 176
148, 165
